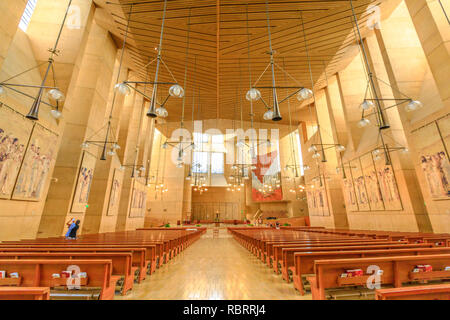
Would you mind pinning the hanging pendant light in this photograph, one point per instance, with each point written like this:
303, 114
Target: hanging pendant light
268, 115
56, 113
340, 148
253, 95
162, 112
312, 149
363, 123
413, 106
304, 94
176, 91
123, 89
56, 95
366, 105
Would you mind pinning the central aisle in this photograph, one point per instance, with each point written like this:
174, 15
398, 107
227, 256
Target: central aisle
214, 269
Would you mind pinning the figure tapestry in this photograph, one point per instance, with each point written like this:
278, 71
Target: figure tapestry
116, 189
84, 182
14, 135
436, 169
138, 200
317, 198
266, 184
388, 186
349, 194
360, 185
372, 185
40, 155
431, 142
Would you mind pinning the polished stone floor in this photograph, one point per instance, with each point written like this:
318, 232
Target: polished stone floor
214, 269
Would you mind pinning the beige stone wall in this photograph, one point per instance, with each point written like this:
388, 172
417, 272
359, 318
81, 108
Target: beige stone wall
410, 53
404, 56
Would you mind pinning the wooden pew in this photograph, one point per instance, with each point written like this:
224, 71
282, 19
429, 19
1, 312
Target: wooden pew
24, 293
304, 261
143, 256
396, 271
430, 292
278, 250
288, 253
121, 263
38, 273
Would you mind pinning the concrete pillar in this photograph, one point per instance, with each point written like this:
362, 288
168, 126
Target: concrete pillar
83, 115
434, 34
130, 136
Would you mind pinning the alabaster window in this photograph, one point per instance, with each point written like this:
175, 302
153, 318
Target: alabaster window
27, 14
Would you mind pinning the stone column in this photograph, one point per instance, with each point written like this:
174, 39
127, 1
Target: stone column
434, 34
129, 137
83, 114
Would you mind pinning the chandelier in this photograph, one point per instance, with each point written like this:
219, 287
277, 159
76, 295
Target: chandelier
156, 108
54, 93
137, 169
180, 143
254, 94
373, 106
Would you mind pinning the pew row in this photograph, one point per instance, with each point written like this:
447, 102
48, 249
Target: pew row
396, 271
430, 292
100, 282
304, 261
24, 293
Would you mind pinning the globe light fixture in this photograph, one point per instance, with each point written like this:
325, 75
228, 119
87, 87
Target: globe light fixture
366, 105
413, 106
56, 95
312, 149
176, 91
316, 155
304, 94
340, 148
56, 113
3, 91
123, 89
253, 94
363, 123
268, 115
162, 112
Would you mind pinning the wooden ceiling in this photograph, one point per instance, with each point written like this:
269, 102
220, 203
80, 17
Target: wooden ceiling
222, 34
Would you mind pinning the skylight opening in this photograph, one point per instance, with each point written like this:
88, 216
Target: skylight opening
27, 14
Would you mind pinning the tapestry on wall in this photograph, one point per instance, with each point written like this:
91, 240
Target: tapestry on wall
371, 181
322, 199
359, 185
317, 199
40, 155
312, 209
138, 200
349, 194
388, 185
267, 170
84, 182
433, 158
15, 132
116, 189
